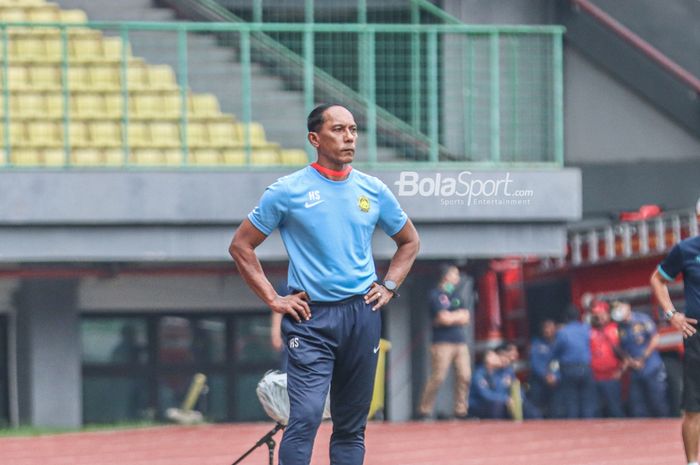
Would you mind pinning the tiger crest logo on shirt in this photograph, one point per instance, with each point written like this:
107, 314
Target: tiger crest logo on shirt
363, 203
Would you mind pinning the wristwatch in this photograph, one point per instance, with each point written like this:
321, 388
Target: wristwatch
668, 314
391, 287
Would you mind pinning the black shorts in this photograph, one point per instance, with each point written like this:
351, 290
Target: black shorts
691, 374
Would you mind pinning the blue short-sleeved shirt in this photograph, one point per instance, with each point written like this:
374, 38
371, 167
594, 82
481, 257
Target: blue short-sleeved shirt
443, 301
327, 228
684, 258
572, 344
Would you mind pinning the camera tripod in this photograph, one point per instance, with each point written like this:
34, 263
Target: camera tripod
267, 439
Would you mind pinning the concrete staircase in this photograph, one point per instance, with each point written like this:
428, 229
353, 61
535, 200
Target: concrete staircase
215, 68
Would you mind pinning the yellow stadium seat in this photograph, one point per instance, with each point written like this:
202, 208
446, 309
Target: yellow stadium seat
24, 3
112, 49
197, 135
53, 157
146, 105
79, 78
72, 16
105, 133
233, 156
257, 134
161, 77
173, 157
53, 50
85, 49
104, 76
54, 105
26, 49
48, 13
18, 77
172, 105
223, 134
88, 105
26, 157
87, 157
138, 134
13, 15
18, 133
79, 135
148, 157
113, 157
165, 134
204, 106
28, 105
45, 77
114, 105
265, 156
45, 134
294, 157
136, 77
205, 157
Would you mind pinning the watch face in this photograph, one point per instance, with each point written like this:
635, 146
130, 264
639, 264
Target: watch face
391, 285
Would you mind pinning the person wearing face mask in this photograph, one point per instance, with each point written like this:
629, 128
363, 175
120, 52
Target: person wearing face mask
449, 317
606, 361
638, 341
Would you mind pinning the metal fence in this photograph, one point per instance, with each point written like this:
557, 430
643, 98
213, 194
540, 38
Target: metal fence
237, 93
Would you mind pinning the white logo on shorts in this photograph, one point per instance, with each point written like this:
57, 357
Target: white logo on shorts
294, 343
376, 349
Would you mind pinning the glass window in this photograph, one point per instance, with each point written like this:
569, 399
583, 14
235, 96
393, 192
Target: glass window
252, 341
191, 340
173, 390
114, 340
113, 399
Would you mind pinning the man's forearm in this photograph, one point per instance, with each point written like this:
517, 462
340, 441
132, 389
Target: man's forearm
402, 261
661, 293
251, 270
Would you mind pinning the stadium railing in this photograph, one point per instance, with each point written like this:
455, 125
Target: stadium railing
430, 93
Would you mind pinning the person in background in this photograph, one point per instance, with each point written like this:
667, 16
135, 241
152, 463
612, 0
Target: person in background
544, 372
606, 361
639, 340
506, 375
449, 345
489, 397
572, 349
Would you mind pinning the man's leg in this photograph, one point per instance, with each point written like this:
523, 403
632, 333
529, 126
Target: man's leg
589, 399
353, 381
637, 400
569, 393
656, 393
309, 370
440, 358
463, 377
691, 435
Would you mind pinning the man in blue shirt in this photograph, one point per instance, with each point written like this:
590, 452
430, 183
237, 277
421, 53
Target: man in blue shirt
544, 374
489, 396
449, 316
638, 341
326, 214
572, 349
684, 258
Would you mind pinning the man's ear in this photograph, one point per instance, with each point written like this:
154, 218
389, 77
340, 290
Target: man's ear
313, 139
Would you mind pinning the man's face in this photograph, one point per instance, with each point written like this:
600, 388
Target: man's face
452, 276
335, 140
492, 360
549, 329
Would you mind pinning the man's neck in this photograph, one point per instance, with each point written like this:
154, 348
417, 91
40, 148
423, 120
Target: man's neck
332, 171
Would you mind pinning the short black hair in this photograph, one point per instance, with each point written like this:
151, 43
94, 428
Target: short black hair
315, 119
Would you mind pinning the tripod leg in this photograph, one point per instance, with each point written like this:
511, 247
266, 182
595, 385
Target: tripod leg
271, 449
267, 439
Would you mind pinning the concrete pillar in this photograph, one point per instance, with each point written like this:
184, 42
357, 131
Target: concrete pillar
48, 353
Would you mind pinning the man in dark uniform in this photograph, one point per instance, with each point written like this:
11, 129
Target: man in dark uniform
685, 258
490, 396
544, 373
638, 341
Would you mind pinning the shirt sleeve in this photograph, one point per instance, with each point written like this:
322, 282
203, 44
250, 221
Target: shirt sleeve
672, 264
271, 210
391, 217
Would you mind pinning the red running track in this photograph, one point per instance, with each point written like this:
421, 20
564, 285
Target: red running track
593, 442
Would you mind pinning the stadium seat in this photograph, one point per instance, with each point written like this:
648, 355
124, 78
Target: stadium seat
112, 49
85, 49
265, 156
157, 157
13, 14
53, 157
87, 157
113, 157
47, 13
45, 77
114, 105
257, 134
294, 157
18, 133
104, 77
138, 134
88, 105
204, 106
44, 134
105, 133
173, 157
18, 77
136, 77
205, 157
197, 135
28, 50
79, 77
72, 16
161, 77
54, 105
233, 156
223, 134
25, 157
165, 134
28, 105
79, 134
